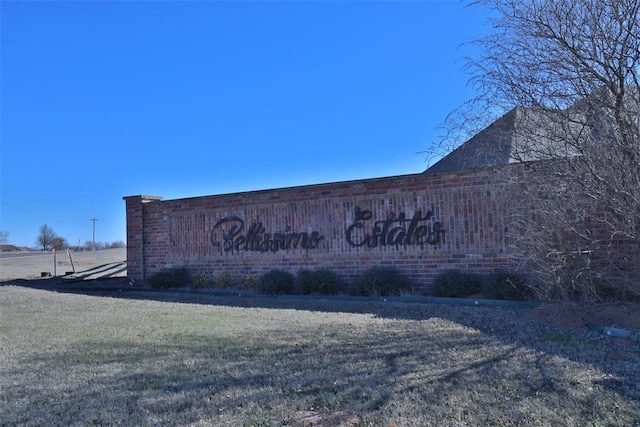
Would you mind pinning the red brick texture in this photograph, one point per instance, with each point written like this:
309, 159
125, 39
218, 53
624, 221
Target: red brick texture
308, 226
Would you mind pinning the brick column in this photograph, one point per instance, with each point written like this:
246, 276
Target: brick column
135, 234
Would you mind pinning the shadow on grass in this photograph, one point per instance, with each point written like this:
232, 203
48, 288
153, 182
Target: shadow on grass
497, 366
450, 378
105, 271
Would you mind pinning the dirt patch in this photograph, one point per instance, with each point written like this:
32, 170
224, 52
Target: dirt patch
575, 316
325, 419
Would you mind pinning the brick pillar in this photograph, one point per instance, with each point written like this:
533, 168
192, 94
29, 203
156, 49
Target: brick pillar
135, 234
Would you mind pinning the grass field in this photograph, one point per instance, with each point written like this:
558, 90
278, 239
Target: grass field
31, 265
70, 359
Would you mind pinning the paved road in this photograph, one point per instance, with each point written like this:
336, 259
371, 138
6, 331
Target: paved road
4, 255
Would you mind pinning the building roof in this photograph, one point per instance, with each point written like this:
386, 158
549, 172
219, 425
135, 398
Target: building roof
489, 147
521, 135
528, 134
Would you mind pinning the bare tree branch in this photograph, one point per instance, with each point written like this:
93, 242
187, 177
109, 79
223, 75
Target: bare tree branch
569, 71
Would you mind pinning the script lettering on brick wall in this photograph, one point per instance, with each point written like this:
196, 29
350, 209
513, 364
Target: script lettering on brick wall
234, 238
395, 230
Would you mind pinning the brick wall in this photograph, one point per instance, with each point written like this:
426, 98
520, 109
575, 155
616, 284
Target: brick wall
135, 232
426, 224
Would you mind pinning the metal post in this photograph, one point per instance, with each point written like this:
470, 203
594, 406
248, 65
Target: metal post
71, 260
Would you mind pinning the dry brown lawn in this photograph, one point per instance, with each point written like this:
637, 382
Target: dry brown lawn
69, 359
87, 264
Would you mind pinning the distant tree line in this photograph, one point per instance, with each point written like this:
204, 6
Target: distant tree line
88, 245
48, 240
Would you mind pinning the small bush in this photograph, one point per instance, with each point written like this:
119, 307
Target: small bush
249, 281
199, 281
321, 281
456, 284
277, 282
380, 281
170, 278
224, 280
506, 285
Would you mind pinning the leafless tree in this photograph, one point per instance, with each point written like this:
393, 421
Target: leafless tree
4, 236
46, 237
59, 243
90, 246
571, 70
116, 245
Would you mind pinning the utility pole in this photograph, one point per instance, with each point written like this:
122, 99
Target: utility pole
94, 232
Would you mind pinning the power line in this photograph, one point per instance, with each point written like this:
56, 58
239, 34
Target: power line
94, 232
46, 217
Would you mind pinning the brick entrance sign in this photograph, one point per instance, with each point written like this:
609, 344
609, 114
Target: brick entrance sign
422, 223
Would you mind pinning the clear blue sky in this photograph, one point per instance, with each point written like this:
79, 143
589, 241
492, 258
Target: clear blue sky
105, 99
